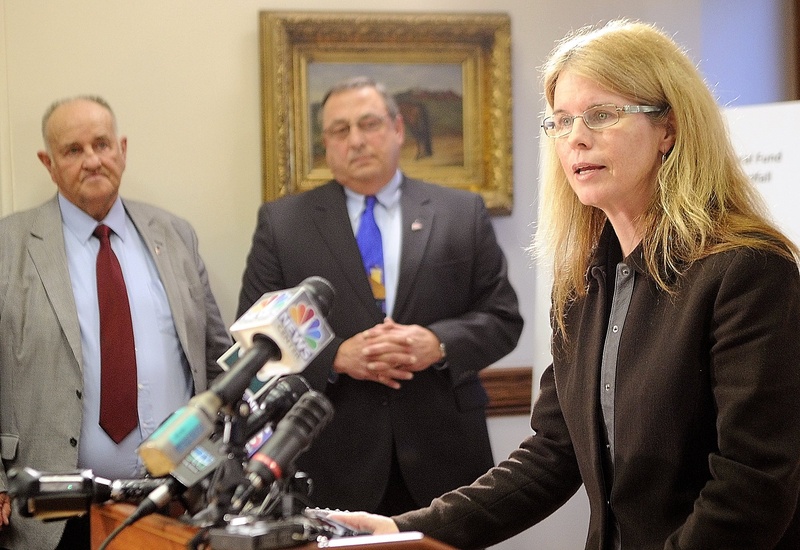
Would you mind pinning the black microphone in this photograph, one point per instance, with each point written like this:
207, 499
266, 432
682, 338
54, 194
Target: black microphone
292, 436
282, 333
51, 496
127, 490
204, 459
275, 403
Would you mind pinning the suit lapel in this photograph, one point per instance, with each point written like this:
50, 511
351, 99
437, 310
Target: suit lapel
417, 222
332, 221
155, 239
46, 249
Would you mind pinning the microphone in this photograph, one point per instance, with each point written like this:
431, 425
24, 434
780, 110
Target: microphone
207, 456
281, 333
54, 496
128, 490
204, 459
276, 403
288, 318
292, 436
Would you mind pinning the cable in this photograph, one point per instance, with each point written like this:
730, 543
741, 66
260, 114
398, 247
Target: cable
147, 508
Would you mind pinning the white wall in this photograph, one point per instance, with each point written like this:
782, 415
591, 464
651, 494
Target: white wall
183, 78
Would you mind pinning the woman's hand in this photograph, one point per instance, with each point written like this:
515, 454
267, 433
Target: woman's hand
368, 523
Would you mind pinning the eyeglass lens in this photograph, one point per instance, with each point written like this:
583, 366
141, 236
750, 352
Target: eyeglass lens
595, 118
366, 124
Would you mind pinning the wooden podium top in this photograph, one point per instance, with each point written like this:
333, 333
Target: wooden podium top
153, 532
158, 532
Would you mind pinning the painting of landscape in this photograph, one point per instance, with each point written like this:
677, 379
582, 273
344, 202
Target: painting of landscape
430, 99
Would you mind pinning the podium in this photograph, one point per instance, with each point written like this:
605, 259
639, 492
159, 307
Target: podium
153, 532
158, 532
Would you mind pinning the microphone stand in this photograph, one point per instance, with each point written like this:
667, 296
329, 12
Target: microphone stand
231, 472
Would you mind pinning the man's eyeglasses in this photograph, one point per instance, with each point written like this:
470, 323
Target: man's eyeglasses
596, 118
368, 124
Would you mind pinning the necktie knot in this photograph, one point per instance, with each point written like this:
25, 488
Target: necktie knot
102, 232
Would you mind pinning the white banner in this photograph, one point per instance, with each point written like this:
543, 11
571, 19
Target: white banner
767, 139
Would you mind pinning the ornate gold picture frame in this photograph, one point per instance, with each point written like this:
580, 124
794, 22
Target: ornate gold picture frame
451, 74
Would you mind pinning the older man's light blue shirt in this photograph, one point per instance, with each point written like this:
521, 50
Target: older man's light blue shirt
164, 378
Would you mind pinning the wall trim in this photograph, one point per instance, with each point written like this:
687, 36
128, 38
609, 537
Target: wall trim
509, 390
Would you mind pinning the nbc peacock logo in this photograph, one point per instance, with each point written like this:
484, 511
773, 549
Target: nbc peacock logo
307, 323
267, 306
276, 301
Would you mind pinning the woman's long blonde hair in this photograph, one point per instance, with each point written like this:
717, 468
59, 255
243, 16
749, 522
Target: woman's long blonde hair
704, 201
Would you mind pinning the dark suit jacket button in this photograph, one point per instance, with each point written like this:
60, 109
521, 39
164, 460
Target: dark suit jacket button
73, 441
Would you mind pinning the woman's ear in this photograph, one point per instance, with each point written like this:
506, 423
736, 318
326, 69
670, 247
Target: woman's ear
668, 141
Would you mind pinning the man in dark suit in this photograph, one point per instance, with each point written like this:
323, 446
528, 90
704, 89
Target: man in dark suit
49, 318
402, 374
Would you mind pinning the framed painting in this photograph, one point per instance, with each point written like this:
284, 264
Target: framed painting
450, 75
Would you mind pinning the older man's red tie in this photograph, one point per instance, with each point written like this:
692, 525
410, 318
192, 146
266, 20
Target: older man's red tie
118, 396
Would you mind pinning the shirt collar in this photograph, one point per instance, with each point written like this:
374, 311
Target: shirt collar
607, 244
82, 224
388, 196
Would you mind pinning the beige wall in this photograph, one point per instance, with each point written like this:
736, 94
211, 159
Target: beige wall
183, 77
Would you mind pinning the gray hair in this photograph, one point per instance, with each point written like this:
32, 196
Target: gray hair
359, 82
58, 103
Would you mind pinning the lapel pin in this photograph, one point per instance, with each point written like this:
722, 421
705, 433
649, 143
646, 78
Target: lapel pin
416, 225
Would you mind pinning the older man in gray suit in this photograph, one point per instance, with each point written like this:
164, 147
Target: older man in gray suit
50, 356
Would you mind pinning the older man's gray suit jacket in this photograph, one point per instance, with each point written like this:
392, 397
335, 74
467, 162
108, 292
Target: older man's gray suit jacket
41, 381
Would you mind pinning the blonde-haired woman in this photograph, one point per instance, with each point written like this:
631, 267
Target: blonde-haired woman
675, 386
